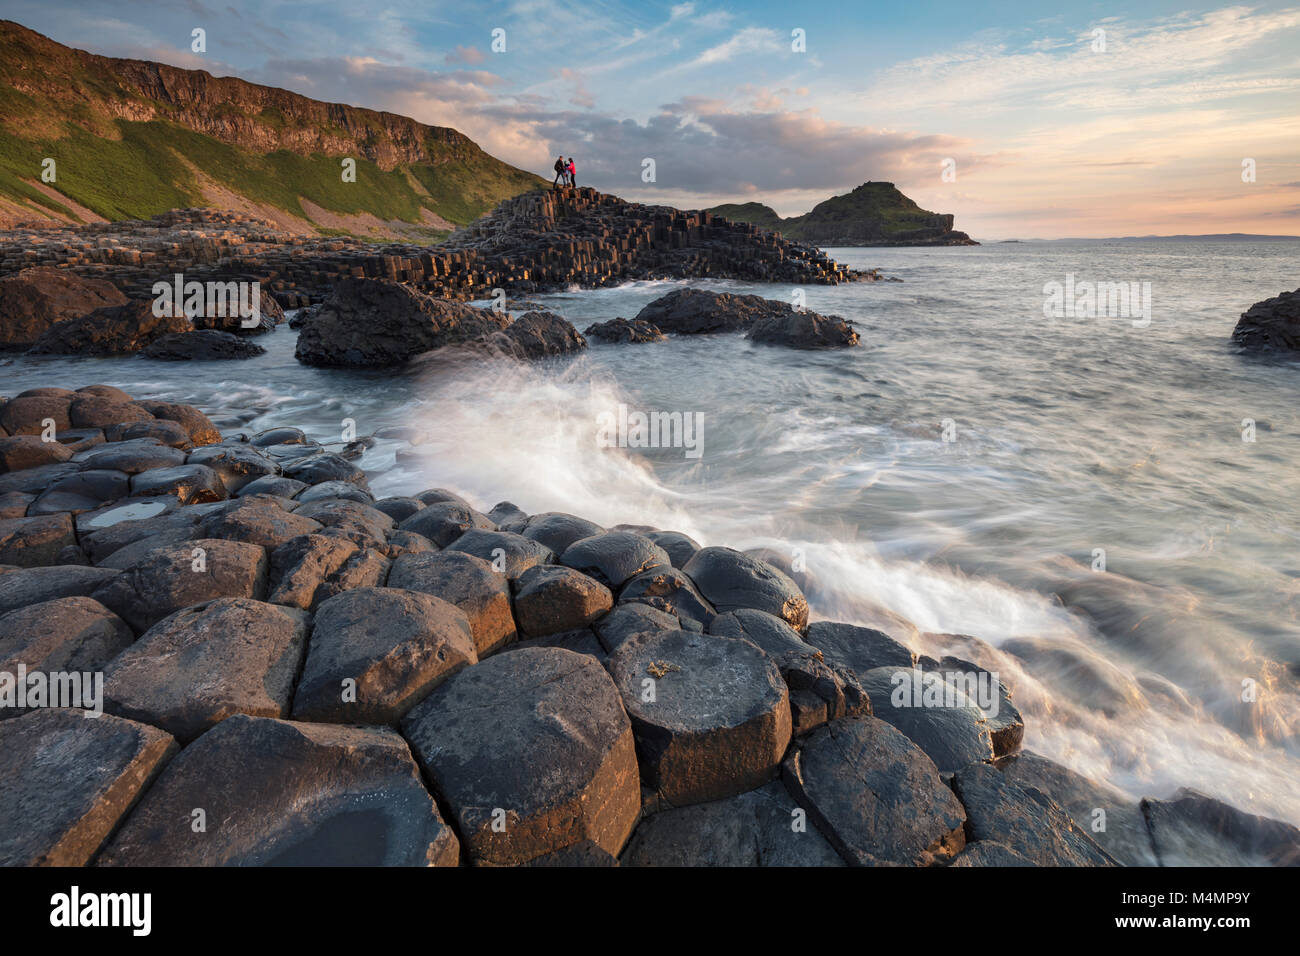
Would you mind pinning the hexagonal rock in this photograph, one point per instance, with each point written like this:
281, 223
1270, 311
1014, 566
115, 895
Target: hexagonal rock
26, 414
170, 434
1027, 821
130, 457
276, 792
558, 530
444, 522
711, 714
94, 411
29, 451
337, 489
818, 691
508, 516
34, 585
1005, 724
680, 548
467, 582
35, 480
325, 466
399, 508
13, 504
32, 542
858, 649
200, 665
69, 780
394, 645
200, 428
166, 580
81, 492
358, 522
758, 828
276, 485
65, 634
257, 521
550, 599
627, 620
731, 580
934, 715
670, 590
237, 464
306, 570
190, 484
875, 795
615, 557
80, 439
514, 553
538, 740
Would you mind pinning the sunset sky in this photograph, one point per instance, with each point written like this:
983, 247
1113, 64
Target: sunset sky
1051, 135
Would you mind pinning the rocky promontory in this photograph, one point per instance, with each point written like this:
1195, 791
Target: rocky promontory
299, 670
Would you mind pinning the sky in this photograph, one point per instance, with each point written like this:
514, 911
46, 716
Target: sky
1095, 120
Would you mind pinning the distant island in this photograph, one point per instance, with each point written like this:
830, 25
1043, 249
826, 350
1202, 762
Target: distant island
874, 214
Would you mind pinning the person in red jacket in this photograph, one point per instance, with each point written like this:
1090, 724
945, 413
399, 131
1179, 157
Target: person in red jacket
573, 173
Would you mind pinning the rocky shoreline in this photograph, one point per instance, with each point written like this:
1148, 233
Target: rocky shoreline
296, 672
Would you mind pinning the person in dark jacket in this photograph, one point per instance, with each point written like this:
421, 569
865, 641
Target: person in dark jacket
561, 173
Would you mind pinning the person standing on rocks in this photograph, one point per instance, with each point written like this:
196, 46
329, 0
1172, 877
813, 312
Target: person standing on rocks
573, 173
561, 173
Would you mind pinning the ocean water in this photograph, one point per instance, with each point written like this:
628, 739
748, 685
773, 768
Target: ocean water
966, 471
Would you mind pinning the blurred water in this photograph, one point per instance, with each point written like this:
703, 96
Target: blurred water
1071, 435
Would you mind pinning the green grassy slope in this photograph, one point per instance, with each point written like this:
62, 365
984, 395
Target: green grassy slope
880, 204
79, 110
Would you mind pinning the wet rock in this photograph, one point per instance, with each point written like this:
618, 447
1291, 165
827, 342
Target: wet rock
238, 465
627, 620
394, 646
670, 590
113, 330
397, 508
134, 519
276, 792
31, 414
34, 585
1025, 820
818, 691
130, 456
731, 580
377, 323
274, 485
365, 526
467, 582
1005, 724
508, 516
69, 781
32, 542
83, 439
557, 530
336, 489
69, 634
696, 311
679, 547
625, 330
188, 484
281, 435
987, 853
94, 411
35, 299
161, 431
857, 649
29, 451
256, 521
313, 469
437, 496
934, 714
1119, 829
207, 345
178, 576
556, 763
711, 714
614, 557
14, 504
206, 662
539, 334
804, 330
444, 522
1271, 325
200, 428
1192, 829
584, 854
512, 554
81, 492
550, 599
33, 481
875, 795
758, 828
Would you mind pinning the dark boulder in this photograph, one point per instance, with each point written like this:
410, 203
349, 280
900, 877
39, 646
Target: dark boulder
1273, 324
189, 484
538, 334
550, 599
34, 585
205, 345
114, 330
625, 330
696, 311
1191, 829
511, 554
934, 714
857, 649
670, 590
558, 530
467, 582
444, 522
731, 580
35, 299
614, 557
30, 451
33, 542
803, 330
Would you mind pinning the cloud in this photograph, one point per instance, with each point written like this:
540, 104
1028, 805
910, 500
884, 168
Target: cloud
469, 55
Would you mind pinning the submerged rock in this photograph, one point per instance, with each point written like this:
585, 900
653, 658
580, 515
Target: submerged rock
205, 345
1191, 829
804, 330
625, 330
